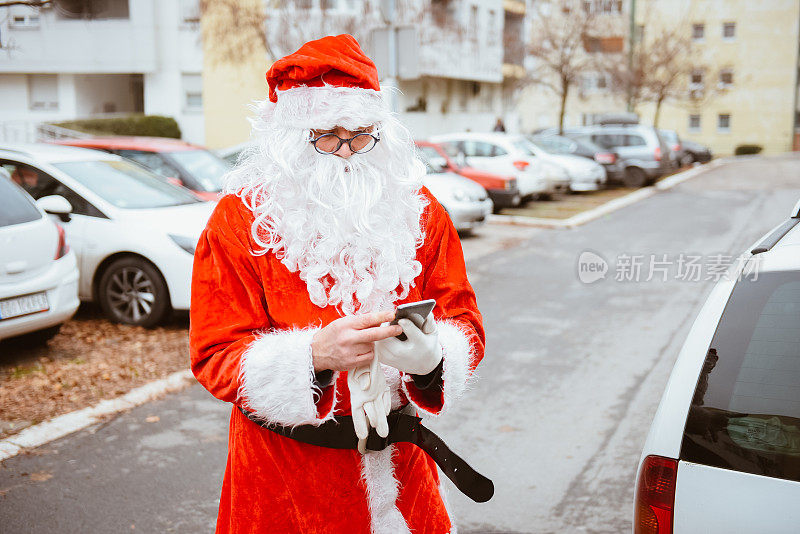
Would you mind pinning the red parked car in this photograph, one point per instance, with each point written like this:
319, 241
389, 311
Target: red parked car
188, 165
502, 189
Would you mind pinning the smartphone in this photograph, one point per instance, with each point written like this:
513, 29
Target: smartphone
416, 312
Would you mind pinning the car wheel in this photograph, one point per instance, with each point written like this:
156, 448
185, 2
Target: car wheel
687, 160
634, 177
132, 291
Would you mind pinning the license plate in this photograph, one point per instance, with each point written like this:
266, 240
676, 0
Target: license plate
23, 305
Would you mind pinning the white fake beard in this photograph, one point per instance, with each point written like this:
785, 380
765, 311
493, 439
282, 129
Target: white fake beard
349, 227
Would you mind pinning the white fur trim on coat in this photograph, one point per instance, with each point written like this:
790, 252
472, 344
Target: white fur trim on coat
377, 471
277, 378
326, 107
457, 353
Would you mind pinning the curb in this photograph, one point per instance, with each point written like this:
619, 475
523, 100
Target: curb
611, 205
66, 424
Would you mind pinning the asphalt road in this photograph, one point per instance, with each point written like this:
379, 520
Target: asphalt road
572, 376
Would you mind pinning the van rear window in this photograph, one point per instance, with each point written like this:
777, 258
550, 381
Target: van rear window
16, 207
745, 414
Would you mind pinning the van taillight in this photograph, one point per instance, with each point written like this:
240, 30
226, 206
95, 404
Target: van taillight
655, 496
657, 154
606, 158
521, 165
63, 248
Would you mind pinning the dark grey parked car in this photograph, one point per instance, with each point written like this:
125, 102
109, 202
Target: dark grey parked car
645, 152
562, 144
695, 152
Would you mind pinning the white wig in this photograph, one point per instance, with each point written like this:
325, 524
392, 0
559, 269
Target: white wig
350, 227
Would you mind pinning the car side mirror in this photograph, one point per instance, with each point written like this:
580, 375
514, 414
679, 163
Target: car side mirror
56, 205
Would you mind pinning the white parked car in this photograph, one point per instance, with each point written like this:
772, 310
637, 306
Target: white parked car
583, 174
38, 271
467, 202
506, 154
723, 452
134, 234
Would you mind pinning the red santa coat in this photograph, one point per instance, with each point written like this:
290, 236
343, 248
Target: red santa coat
251, 327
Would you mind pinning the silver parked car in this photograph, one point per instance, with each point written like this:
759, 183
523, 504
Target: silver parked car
645, 152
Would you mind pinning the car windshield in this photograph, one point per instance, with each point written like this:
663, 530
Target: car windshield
204, 166
16, 207
125, 184
745, 414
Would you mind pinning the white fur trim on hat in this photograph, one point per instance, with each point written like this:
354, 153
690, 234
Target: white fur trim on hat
326, 107
377, 471
277, 378
457, 353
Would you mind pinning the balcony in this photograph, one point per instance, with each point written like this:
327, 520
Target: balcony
80, 45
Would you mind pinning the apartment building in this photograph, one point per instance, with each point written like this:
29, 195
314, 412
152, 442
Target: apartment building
89, 59
744, 89
457, 72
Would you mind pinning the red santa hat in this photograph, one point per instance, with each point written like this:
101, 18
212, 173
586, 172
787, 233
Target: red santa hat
327, 82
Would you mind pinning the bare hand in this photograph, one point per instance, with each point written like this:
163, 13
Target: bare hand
348, 342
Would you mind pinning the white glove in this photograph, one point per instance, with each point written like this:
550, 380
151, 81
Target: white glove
370, 401
418, 355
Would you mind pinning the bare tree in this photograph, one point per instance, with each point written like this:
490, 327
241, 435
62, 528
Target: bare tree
560, 32
664, 62
661, 68
241, 28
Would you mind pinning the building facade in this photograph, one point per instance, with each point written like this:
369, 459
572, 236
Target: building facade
743, 91
746, 90
459, 66
92, 59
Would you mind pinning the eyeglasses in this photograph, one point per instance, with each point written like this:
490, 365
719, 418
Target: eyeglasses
359, 144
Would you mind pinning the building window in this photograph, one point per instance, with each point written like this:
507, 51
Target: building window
193, 92
724, 123
473, 20
694, 123
24, 17
43, 91
726, 77
603, 6
698, 32
696, 84
93, 10
729, 31
190, 11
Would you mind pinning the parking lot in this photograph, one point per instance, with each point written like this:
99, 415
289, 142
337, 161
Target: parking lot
572, 375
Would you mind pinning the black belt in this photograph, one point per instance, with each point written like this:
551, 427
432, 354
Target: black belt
339, 433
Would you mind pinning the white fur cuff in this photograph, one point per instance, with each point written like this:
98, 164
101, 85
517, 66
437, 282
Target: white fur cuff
277, 378
457, 353
326, 107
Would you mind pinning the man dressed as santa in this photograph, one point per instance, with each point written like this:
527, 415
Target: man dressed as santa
324, 230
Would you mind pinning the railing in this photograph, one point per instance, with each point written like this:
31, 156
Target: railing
33, 132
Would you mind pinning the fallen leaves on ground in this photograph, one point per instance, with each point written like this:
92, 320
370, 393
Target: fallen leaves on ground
91, 359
